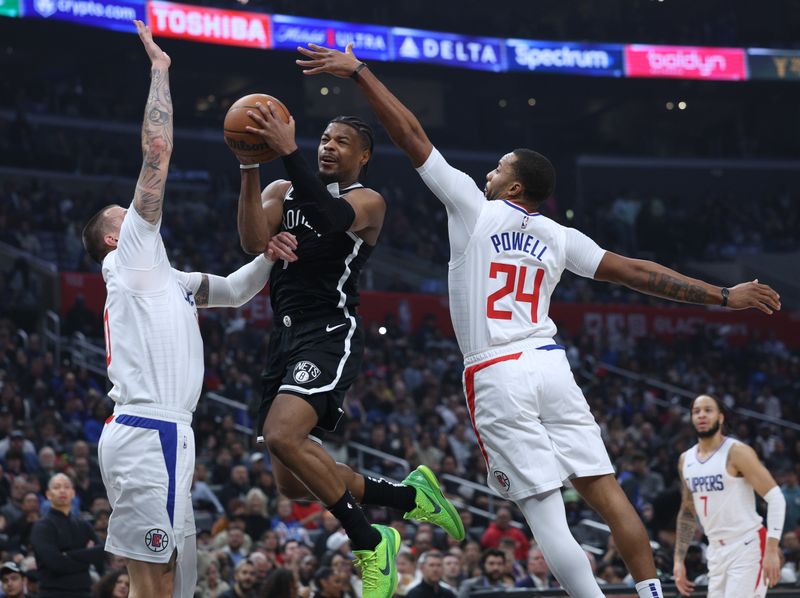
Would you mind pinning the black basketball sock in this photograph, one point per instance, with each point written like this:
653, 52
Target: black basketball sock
362, 535
385, 494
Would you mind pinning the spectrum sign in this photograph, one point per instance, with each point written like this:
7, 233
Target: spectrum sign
370, 42
210, 25
686, 62
565, 57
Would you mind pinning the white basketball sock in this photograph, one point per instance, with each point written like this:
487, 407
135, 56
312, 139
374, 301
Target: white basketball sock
548, 520
649, 588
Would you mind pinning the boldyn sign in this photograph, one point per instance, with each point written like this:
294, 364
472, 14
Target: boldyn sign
686, 62
370, 42
600, 60
210, 25
478, 53
116, 14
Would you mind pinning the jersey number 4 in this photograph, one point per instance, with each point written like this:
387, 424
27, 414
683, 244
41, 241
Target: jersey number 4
515, 283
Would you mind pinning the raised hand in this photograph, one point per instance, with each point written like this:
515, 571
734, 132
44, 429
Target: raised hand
158, 58
754, 294
328, 60
278, 134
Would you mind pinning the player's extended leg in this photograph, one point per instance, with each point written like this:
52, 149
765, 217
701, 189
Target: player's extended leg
151, 579
604, 494
289, 421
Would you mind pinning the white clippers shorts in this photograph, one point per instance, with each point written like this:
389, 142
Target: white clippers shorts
532, 421
147, 463
735, 566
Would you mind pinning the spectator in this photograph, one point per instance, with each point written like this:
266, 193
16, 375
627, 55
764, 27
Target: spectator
244, 582
407, 574
257, 518
452, 575
210, 585
538, 576
13, 581
286, 526
791, 491
20, 530
65, 545
115, 584
501, 528
430, 564
235, 548
492, 564
348, 580
237, 486
263, 565
280, 583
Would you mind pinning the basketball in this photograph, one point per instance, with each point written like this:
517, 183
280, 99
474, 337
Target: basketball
239, 139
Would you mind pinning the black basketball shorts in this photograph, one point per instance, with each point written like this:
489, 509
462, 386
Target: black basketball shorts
318, 361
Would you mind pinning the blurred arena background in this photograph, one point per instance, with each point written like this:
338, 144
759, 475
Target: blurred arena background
675, 130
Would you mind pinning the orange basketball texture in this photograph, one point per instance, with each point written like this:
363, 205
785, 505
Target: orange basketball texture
239, 139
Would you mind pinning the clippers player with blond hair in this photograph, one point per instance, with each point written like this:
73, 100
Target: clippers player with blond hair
532, 422
154, 355
721, 477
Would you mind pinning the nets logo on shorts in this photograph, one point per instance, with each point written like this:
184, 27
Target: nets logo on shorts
156, 540
305, 371
502, 479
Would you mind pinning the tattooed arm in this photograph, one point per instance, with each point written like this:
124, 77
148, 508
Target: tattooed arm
684, 535
157, 138
654, 279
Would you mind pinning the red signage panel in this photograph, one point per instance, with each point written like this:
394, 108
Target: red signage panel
686, 62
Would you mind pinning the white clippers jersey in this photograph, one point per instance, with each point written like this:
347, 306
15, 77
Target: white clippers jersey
725, 505
154, 351
505, 262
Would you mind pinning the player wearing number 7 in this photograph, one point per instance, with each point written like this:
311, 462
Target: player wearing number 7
532, 422
719, 476
154, 355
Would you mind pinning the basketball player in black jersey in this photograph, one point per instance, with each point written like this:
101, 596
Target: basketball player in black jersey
315, 351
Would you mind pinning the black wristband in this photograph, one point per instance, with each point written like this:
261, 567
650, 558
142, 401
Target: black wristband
725, 294
359, 68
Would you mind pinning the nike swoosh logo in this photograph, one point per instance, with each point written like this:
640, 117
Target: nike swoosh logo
330, 328
387, 569
746, 543
436, 508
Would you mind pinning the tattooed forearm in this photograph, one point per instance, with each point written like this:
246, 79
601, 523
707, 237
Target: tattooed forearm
669, 287
157, 144
201, 296
684, 533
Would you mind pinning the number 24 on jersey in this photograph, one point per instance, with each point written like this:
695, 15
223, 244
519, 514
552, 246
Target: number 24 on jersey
516, 279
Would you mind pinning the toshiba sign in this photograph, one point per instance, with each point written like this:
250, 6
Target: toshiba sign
686, 62
210, 25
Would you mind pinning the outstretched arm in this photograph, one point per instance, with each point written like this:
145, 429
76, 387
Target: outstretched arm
684, 534
654, 279
401, 124
157, 140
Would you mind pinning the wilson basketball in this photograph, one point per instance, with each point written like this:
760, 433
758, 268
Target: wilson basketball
239, 139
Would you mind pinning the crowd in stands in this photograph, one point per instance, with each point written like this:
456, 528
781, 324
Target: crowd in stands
408, 403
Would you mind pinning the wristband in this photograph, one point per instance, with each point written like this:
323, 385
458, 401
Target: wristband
725, 294
249, 166
359, 68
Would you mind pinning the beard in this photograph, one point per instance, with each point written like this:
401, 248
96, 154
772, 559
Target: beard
708, 433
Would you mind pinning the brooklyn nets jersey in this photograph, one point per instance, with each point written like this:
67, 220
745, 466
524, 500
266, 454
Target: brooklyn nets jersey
325, 276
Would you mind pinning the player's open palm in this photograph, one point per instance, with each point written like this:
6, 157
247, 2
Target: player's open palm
754, 294
158, 58
772, 567
328, 60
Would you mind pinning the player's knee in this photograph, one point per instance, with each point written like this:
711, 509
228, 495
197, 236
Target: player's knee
282, 443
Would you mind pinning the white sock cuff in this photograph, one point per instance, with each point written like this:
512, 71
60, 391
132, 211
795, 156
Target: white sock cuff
649, 588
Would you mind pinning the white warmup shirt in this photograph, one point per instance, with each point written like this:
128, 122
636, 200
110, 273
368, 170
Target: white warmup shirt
154, 351
725, 504
505, 262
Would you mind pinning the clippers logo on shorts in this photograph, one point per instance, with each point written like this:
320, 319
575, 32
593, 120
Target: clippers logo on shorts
156, 540
305, 371
502, 479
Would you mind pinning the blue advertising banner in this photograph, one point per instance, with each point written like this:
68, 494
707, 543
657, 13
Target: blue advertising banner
370, 42
574, 58
108, 14
480, 53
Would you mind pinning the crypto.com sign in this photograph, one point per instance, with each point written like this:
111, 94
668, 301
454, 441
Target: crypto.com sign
686, 62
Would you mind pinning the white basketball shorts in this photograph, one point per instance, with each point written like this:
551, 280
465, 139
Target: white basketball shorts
147, 462
735, 566
532, 421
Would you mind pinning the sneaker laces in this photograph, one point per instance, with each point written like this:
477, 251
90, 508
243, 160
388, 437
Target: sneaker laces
370, 575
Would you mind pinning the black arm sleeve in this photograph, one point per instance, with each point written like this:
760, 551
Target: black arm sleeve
327, 214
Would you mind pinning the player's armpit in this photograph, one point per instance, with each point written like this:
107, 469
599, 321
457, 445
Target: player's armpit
369, 207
